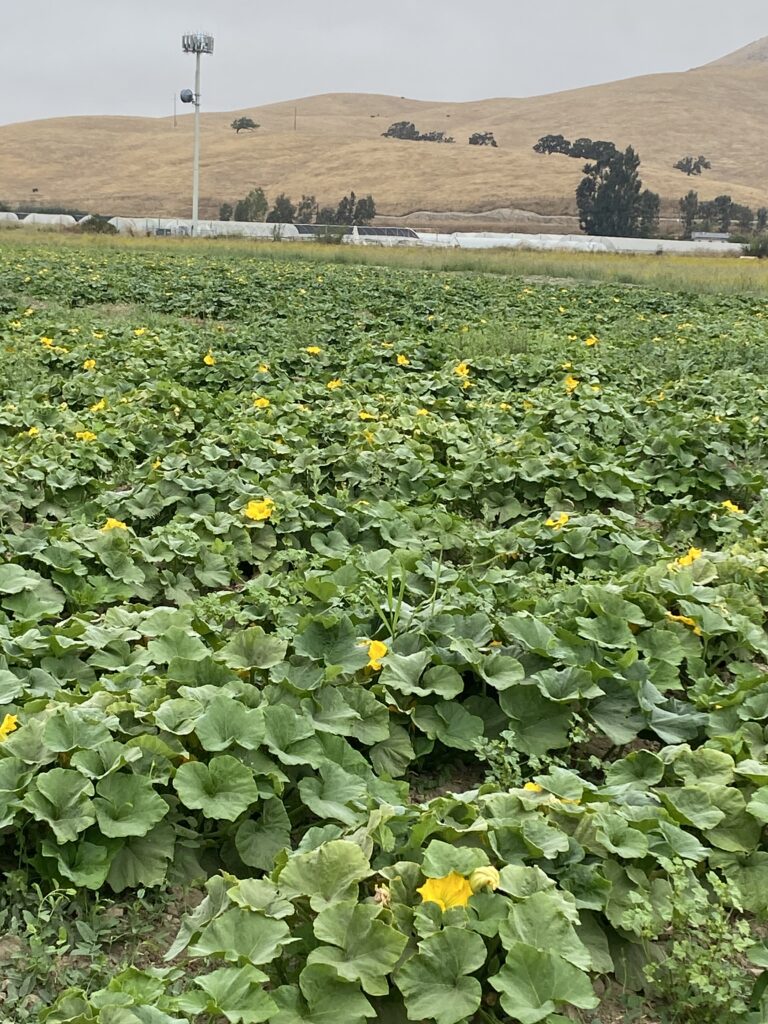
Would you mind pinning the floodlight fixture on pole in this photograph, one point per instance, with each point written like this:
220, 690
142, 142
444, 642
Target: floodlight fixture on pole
197, 43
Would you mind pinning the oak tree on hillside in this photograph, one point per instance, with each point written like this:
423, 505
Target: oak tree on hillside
693, 165
483, 139
306, 210
761, 221
553, 144
244, 124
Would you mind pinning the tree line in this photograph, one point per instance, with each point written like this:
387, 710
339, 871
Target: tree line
407, 131
351, 210
719, 214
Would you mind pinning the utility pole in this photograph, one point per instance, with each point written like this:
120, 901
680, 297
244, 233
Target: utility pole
197, 43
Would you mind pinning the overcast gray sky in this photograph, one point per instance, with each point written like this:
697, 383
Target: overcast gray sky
60, 57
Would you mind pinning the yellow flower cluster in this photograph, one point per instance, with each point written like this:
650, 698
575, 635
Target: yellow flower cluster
113, 524
376, 651
259, 510
89, 364
454, 890
7, 726
461, 370
99, 406
209, 359
559, 523
571, 383
337, 382
688, 559
734, 509
686, 620
591, 340
403, 360
261, 403
313, 350
85, 435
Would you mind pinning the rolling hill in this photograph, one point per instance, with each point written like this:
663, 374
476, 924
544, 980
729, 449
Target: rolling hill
132, 165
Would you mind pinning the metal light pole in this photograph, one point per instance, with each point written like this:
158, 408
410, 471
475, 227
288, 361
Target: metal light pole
197, 43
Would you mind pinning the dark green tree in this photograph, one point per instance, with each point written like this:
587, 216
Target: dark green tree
226, 210
689, 210
244, 124
402, 130
649, 210
283, 211
743, 215
691, 165
326, 215
599, 151
608, 196
761, 221
722, 207
483, 139
306, 210
252, 207
553, 144
365, 210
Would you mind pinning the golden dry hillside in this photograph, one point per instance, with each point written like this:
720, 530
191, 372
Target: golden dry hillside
137, 165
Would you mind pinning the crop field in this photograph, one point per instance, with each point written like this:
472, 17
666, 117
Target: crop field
378, 643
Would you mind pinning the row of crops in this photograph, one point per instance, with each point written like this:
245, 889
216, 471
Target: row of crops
421, 617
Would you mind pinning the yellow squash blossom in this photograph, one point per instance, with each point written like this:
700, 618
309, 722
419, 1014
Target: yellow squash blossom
89, 364
452, 890
403, 360
99, 406
505, 406
566, 366
47, 342
686, 620
157, 464
261, 403
7, 726
259, 510
263, 367
533, 787
376, 651
461, 369
729, 506
422, 412
559, 523
571, 383
140, 331
387, 344
337, 382
32, 432
113, 524
363, 415
484, 878
209, 359
313, 350
98, 335
689, 558
590, 341
85, 435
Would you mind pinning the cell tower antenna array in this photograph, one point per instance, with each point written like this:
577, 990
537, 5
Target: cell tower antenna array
197, 43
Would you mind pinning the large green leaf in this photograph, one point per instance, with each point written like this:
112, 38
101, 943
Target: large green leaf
336, 794
235, 993
321, 999
227, 722
533, 983
327, 874
253, 648
362, 948
434, 982
127, 805
259, 841
61, 797
540, 922
240, 934
142, 860
221, 789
